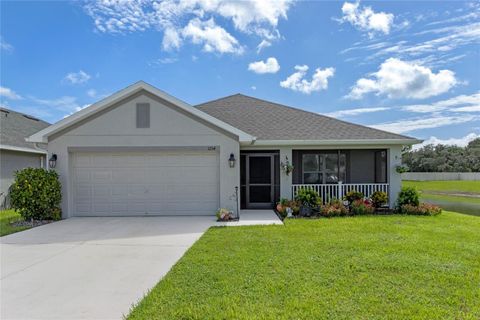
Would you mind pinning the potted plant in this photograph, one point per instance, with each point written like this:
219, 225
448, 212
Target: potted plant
309, 200
286, 166
282, 205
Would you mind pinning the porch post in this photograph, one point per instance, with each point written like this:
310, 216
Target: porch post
286, 181
394, 178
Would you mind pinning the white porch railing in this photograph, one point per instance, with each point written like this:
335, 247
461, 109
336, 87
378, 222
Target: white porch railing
329, 191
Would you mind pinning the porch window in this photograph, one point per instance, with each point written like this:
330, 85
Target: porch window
321, 168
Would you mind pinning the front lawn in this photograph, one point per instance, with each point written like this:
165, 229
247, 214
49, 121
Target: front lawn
7, 217
366, 267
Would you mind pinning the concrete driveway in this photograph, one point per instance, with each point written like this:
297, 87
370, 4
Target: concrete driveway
90, 268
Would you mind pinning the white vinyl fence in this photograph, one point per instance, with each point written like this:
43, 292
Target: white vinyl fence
431, 176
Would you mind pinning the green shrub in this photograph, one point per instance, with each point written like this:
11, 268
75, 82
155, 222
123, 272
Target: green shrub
308, 197
379, 198
36, 194
423, 209
408, 195
360, 207
334, 208
353, 195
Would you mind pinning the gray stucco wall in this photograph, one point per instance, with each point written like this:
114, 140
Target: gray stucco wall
168, 128
10, 161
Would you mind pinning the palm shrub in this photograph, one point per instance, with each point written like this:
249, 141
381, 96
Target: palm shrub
308, 197
379, 198
353, 195
36, 194
408, 195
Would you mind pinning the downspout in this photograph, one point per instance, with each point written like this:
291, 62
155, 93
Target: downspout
43, 158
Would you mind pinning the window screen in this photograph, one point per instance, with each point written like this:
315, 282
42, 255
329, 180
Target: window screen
320, 168
143, 115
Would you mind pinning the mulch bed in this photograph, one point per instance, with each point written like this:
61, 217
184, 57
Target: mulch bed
31, 223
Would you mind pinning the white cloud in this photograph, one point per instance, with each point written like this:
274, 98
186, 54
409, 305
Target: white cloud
213, 37
461, 103
258, 17
269, 66
296, 81
5, 46
402, 79
451, 38
253, 88
461, 142
66, 104
434, 121
9, 94
467, 109
262, 45
365, 19
354, 112
79, 77
92, 93
171, 39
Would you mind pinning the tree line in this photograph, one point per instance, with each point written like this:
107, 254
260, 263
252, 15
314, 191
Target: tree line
443, 158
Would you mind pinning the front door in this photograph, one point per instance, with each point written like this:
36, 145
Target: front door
259, 180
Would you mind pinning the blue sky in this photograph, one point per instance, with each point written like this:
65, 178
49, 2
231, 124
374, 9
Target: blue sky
403, 66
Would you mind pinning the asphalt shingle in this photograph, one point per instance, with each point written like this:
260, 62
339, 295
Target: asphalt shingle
272, 121
15, 127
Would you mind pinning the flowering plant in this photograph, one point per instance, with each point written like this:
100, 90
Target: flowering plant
361, 206
224, 214
423, 209
334, 208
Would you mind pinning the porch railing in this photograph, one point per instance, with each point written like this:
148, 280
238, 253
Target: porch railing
329, 191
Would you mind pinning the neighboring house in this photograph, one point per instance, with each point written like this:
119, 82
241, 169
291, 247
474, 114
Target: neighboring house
144, 152
15, 152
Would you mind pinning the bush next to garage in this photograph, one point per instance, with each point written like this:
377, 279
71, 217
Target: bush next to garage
36, 194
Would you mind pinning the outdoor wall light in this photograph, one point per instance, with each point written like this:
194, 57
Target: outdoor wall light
231, 160
52, 162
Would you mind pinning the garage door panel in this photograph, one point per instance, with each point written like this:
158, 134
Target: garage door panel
153, 183
101, 175
121, 161
82, 175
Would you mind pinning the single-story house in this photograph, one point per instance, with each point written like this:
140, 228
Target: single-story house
15, 152
143, 152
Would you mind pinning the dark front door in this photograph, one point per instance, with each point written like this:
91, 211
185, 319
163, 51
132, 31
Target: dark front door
259, 180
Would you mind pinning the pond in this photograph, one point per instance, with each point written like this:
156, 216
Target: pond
461, 207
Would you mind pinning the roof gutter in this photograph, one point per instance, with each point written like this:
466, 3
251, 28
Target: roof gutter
336, 142
22, 149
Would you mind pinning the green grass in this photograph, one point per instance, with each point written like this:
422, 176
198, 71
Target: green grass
6, 217
371, 267
446, 186
426, 196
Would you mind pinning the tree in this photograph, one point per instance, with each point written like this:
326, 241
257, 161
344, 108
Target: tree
444, 158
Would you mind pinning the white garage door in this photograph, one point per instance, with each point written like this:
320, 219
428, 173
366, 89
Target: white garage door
146, 183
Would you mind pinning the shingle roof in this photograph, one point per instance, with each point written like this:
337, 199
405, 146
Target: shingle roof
15, 127
272, 121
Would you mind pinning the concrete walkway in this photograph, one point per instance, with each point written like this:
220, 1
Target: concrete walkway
90, 268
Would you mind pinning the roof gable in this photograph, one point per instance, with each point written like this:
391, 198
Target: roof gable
272, 121
85, 114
